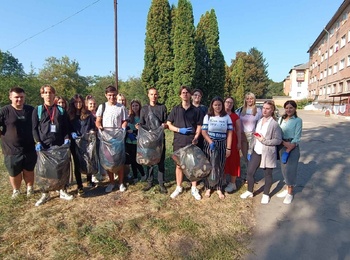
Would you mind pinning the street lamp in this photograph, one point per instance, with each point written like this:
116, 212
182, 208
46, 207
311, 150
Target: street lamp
325, 94
116, 42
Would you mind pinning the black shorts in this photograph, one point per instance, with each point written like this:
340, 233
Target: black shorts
15, 164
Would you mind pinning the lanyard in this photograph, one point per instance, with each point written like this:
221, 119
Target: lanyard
53, 113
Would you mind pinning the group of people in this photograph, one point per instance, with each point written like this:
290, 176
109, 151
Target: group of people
218, 130
265, 139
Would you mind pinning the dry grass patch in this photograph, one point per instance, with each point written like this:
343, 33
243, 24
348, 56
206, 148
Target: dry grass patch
130, 225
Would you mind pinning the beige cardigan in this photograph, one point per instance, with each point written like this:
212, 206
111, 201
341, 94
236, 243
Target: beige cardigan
271, 140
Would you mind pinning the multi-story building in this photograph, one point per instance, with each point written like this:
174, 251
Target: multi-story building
329, 63
296, 83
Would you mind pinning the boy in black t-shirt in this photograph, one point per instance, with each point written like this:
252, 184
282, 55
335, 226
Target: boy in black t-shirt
159, 118
17, 141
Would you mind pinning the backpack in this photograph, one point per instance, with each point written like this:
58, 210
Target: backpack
40, 111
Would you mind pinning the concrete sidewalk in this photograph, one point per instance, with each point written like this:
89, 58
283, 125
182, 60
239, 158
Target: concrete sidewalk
317, 223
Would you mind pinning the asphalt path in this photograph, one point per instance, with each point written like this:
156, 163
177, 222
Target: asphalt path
316, 225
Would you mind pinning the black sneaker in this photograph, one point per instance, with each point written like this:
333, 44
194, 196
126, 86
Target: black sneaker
148, 187
162, 189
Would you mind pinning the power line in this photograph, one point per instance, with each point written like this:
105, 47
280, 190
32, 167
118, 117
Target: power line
48, 28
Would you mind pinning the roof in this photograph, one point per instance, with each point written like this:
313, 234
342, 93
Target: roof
300, 67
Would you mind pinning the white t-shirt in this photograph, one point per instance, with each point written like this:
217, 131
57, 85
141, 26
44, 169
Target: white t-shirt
113, 116
217, 126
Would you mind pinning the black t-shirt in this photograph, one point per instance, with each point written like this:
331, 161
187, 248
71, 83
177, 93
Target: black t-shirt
42, 130
154, 119
181, 118
17, 137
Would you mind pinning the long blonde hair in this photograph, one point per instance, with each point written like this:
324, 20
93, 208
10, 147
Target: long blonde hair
244, 109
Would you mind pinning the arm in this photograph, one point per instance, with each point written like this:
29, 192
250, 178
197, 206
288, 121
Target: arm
238, 133
171, 127
35, 122
276, 136
228, 143
99, 123
206, 136
197, 134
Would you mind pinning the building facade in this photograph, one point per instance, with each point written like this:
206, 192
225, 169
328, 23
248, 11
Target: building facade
329, 63
296, 83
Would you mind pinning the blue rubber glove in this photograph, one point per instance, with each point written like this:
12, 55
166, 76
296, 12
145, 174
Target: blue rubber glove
284, 157
74, 135
249, 156
38, 147
185, 131
132, 137
212, 146
66, 141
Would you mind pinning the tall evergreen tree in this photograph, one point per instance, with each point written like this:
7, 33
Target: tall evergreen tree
238, 80
184, 57
259, 79
210, 63
158, 68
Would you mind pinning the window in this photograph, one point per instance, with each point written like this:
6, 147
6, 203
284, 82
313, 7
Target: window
348, 85
330, 51
321, 91
325, 73
342, 41
340, 87
322, 58
299, 84
344, 17
348, 61
329, 71
321, 75
342, 64
329, 90
326, 55
336, 47
335, 68
319, 51
298, 94
333, 88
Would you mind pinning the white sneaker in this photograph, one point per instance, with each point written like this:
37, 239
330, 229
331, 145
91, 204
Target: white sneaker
109, 188
122, 188
195, 193
246, 195
44, 198
282, 194
231, 187
15, 194
265, 199
65, 196
30, 191
176, 192
288, 199
94, 179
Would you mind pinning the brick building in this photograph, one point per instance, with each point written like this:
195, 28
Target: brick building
295, 84
329, 63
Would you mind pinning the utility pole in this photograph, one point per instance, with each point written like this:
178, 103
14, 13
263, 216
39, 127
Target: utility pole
116, 42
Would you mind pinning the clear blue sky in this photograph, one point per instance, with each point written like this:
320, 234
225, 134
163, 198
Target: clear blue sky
282, 30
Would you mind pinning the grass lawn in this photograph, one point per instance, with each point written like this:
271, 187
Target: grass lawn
130, 225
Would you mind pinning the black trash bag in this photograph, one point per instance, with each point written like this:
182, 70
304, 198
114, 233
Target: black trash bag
112, 148
149, 146
52, 168
86, 153
193, 162
214, 176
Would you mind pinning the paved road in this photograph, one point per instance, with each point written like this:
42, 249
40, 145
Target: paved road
317, 223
